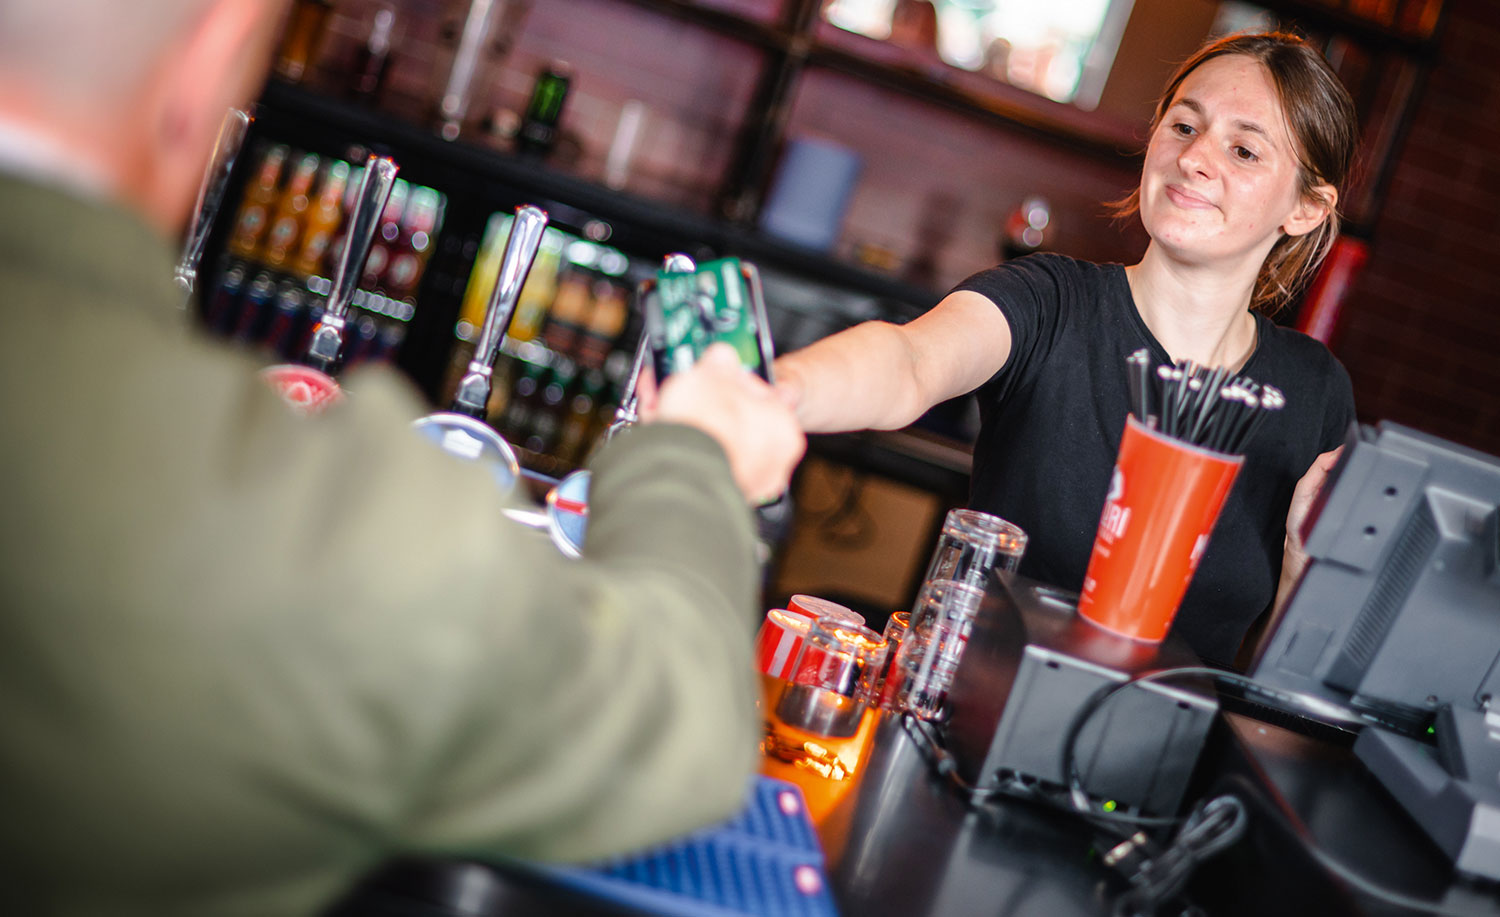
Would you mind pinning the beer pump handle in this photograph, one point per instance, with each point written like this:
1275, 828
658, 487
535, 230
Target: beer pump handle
210, 197
678, 263
526, 231
374, 192
629, 410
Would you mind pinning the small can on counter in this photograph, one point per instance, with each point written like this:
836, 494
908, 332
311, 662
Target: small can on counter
781, 634
779, 642
813, 607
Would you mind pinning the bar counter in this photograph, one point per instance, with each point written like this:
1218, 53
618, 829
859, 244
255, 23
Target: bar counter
899, 840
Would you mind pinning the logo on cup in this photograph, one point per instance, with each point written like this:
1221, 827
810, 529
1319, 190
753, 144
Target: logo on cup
1116, 518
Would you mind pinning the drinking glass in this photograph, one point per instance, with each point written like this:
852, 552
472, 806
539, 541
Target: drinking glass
832, 678
895, 631
972, 544
919, 679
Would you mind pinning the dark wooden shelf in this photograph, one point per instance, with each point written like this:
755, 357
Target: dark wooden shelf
576, 199
942, 83
977, 95
991, 99
769, 36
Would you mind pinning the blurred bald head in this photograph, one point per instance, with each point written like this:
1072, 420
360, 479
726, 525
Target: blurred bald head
84, 51
136, 87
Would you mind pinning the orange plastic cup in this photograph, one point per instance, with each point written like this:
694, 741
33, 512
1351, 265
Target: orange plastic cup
1164, 498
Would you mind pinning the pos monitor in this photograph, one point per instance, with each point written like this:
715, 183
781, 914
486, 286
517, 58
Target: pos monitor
1398, 612
1395, 626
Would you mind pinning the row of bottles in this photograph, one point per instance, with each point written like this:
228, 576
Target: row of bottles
568, 350
287, 229
472, 32
570, 342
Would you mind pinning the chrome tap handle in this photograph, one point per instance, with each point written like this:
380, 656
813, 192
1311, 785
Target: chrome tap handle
629, 410
210, 196
369, 205
520, 251
678, 263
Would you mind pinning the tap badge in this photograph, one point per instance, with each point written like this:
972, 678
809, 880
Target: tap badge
305, 389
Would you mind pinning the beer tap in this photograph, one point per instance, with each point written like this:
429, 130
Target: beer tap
460, 430
210, 196
311, 388
520, 251
628, 412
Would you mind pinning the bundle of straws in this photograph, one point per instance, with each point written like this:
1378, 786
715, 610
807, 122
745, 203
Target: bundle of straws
1200, 406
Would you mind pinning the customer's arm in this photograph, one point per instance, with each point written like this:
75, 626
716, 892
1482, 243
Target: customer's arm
493, 697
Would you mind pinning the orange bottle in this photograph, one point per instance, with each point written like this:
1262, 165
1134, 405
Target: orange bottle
255, 209
322, 221
611, 310
572, 307
286, 225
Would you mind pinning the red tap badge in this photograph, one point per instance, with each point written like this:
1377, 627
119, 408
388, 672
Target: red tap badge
305, 389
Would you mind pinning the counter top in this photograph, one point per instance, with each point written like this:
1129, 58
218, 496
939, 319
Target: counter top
900, 841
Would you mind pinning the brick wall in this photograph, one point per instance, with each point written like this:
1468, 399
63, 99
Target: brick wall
939, 184
1420, 333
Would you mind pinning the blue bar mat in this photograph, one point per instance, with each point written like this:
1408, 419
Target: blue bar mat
764, 862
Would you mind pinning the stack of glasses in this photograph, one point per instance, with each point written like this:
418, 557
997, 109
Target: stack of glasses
834, 668
925, 646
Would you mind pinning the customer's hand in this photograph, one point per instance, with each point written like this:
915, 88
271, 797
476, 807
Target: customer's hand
738, 409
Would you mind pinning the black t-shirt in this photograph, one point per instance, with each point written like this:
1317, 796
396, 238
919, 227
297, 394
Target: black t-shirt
1052, 418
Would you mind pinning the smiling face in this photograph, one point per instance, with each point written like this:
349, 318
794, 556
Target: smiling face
1222, 181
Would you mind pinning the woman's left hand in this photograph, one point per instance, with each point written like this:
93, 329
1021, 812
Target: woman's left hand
1294, 555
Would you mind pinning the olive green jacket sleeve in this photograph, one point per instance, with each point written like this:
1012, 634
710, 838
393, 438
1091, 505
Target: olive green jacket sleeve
244, 656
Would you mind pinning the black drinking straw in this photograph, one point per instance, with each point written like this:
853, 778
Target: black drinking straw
1200, 406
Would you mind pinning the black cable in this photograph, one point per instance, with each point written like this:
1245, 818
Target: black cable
1212, 827
1156, 873
921, 732
1316, 706
1096, 700
1347, 873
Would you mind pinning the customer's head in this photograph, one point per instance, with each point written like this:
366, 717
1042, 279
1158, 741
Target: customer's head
136, 87
1317, 117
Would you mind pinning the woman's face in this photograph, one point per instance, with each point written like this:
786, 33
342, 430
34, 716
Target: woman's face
1222, 181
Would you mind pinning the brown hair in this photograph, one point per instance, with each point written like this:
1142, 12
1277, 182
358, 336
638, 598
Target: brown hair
1321, 120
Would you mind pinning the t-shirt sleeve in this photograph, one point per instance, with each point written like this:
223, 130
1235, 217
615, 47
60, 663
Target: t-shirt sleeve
1028, 292
1339, 412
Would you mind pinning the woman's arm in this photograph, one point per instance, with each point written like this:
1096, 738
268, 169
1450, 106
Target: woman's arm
882, 376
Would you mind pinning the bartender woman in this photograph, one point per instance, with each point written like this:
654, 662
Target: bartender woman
1250, 144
